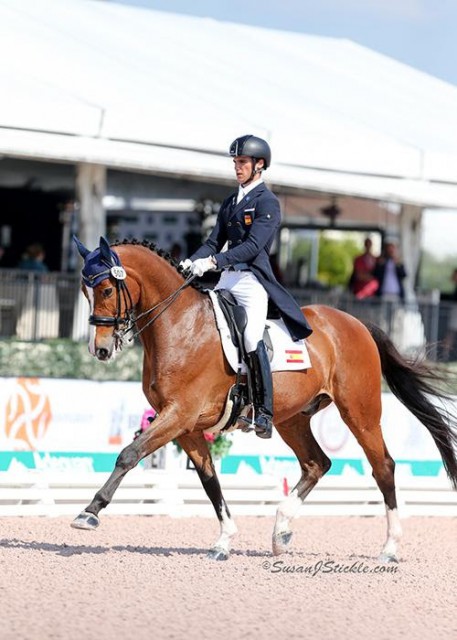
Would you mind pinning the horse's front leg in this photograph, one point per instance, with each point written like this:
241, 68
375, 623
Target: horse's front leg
165, 428
195, 446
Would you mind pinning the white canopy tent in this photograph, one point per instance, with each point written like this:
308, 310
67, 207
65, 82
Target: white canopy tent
90, 82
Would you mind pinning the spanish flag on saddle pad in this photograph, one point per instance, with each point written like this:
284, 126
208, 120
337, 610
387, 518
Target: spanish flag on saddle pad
295, 355
287, 354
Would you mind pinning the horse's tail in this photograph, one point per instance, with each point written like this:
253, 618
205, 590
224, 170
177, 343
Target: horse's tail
411, 382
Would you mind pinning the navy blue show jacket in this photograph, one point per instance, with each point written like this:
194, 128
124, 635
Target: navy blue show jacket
249, 229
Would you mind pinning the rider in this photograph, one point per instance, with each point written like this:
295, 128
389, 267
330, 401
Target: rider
248, 222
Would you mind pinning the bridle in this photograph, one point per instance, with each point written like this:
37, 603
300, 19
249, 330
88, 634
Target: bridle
124, 323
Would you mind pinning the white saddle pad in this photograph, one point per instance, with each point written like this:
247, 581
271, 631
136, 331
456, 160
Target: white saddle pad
287, 354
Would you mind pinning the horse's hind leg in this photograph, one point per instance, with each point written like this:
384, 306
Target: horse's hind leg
296, 432
197, 449
364, 422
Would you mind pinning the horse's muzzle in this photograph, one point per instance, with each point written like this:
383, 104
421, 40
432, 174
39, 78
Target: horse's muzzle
102, 354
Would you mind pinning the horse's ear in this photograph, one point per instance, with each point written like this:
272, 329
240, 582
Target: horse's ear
83, 251
105, 250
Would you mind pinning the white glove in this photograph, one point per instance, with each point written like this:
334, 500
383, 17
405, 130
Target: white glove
202, 265
186, 265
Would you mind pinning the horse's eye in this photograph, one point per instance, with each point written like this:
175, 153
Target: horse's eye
108, 292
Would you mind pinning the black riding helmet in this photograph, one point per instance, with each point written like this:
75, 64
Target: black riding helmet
252, 146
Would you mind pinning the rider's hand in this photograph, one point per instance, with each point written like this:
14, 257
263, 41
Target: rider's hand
186, 265
202, 265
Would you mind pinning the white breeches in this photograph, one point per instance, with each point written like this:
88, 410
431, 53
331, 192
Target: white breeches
251, 295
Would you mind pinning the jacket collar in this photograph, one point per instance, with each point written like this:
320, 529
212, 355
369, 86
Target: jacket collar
252, 195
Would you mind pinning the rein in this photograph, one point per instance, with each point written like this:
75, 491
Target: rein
167, 302
129, 319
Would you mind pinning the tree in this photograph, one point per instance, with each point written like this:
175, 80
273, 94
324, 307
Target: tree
335, 260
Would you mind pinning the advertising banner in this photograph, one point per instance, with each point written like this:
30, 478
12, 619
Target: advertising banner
407, 440
83, 425
66, 424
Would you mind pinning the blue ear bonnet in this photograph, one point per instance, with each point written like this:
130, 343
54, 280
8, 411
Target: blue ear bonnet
96, 268
97, 263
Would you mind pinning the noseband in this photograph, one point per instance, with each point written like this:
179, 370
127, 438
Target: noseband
122, 294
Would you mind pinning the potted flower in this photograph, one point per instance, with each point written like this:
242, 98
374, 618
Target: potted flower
218, 445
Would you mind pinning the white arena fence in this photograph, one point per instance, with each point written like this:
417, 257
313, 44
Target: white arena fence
180, 494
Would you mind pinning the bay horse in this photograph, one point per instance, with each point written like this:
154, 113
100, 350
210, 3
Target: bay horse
186, 378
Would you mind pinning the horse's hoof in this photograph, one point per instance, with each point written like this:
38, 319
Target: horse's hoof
280, 542
86, 520
388, 558
218, 553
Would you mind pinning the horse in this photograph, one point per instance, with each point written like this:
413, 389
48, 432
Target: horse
186, 378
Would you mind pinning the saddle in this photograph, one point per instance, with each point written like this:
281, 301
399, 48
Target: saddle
241, 393
288, 355
237, 320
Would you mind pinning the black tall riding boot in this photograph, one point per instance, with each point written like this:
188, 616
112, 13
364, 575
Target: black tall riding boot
259, 367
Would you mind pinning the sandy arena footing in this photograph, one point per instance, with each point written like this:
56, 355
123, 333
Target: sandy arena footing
148, 578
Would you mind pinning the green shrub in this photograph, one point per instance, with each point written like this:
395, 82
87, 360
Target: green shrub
66, 359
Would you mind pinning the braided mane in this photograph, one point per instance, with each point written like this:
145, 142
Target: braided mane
161, 253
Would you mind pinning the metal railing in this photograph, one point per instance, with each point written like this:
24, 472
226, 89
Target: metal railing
36, 306
410, 324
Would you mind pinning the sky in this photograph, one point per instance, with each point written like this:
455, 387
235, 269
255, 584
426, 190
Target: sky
420, 33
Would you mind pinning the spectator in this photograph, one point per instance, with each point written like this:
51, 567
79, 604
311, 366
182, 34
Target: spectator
362, 283
33, 259
390, 273
38, 308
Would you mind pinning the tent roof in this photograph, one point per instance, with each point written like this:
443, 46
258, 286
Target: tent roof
146, 90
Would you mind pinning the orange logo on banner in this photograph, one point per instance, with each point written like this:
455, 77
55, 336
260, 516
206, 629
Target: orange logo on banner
28, 414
